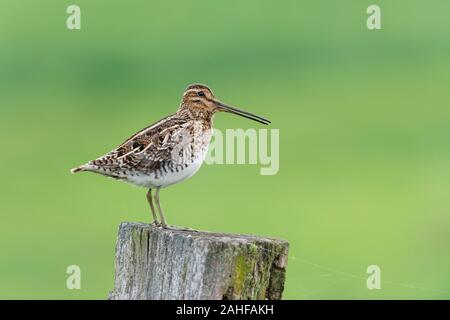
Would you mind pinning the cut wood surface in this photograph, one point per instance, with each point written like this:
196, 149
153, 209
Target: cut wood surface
156, 263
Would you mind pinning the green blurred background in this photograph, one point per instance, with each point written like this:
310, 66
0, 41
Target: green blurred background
364, 119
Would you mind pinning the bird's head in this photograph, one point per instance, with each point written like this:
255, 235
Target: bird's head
199, 98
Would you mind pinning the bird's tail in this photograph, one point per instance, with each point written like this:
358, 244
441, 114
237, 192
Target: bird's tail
79, 169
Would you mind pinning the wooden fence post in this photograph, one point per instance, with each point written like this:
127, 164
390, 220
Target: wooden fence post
157, 263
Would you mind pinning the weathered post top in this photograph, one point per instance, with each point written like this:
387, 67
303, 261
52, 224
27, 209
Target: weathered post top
157, 263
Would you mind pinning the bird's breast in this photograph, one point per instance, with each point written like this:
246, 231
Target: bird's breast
187, 157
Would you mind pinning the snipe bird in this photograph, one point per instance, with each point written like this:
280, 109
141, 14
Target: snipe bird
168, 151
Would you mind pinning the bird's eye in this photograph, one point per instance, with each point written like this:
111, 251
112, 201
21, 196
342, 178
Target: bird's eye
200, 94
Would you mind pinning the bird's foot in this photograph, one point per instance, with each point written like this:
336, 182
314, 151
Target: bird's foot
169, 227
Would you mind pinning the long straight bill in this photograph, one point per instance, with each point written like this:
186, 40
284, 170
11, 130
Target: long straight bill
224, 107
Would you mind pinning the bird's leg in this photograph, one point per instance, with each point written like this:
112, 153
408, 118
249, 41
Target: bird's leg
152, 207
161, 214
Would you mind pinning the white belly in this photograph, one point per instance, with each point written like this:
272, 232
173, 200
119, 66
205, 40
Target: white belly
174, 177
164, 180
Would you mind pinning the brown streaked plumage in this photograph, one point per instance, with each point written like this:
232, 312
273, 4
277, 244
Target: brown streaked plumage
170, 150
